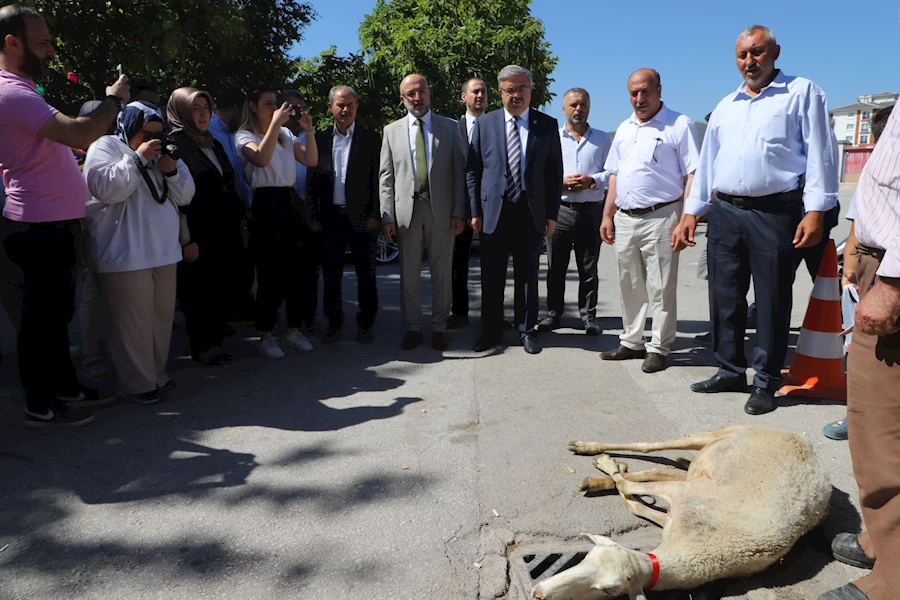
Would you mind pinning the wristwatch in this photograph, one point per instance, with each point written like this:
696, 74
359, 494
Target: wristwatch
593, 184
119, 102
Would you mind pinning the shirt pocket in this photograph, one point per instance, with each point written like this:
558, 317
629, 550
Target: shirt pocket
774, 130
649, 149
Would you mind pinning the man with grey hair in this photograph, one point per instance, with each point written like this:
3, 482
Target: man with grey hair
584, 152
514, 177
342, 207
422, 191
769, 160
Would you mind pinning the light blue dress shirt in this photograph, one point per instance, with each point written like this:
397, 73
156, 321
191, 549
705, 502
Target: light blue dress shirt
769, 144
300, 182
220, 133
588, 157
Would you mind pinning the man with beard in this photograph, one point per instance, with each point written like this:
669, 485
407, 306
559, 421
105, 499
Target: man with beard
45, 200
768, 157
584, 151
422, 190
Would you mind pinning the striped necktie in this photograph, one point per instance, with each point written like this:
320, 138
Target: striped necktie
514, 153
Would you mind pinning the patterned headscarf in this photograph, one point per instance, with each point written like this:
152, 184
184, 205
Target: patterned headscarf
134, 117
180, 112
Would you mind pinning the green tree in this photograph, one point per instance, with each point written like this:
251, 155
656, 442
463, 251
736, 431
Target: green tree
447, 41
213, 44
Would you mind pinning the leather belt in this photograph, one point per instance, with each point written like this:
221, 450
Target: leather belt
751, 202
640, 212
876, 253
577, 205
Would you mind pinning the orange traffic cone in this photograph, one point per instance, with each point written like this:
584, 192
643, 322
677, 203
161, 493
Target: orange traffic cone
817, 370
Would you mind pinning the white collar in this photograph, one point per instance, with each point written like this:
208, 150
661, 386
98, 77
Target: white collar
524, 116
661, 115
426, 119
350, 131
587, 132
780, 81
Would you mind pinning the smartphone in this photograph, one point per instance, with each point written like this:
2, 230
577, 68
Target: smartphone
118, 71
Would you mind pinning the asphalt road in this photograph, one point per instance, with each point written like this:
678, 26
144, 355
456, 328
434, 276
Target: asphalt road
366, 472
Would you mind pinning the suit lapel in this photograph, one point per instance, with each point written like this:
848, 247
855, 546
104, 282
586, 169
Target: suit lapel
500, 125
354, 147
436, 135
533, 130
325, 151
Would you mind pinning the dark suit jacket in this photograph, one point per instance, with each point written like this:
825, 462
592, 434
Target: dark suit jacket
361, 181
487, 167
216, 210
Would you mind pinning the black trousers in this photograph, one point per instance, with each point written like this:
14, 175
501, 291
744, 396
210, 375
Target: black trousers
45, 252
202, 286
275, 238
577, 228
460, 276
515, 233
757, 243
338, 235
312, 248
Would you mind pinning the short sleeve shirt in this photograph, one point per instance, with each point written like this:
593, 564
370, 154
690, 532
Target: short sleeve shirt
281, 170
42, 179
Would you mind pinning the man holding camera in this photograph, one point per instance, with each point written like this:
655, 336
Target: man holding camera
45, 200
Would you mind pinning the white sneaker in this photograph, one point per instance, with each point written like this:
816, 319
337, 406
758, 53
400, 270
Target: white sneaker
268, 347
298, 341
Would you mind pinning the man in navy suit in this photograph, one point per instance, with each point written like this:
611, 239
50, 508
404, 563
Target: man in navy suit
342, 203
514, 176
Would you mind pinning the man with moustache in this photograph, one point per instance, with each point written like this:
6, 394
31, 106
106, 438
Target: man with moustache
652, 164
474, 96
514, 177
46, 196
769, 159
584, 151
422, 191
342, 205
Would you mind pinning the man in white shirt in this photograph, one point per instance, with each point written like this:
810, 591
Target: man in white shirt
768, 157
474, 96
651, 164
422, 192
584, 152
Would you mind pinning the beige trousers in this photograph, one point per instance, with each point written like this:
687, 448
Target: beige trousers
648, 277
140, 306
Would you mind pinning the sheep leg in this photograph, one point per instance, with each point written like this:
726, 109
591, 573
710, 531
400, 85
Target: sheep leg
599, 484
691, 442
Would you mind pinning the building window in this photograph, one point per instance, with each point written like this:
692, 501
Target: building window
867, 114
863, 139
850, 126
849, 139
864, 127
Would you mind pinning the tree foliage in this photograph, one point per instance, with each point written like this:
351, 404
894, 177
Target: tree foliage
446, 41
213, 44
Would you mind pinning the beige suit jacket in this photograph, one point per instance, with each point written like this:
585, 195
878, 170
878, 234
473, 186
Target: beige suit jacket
446, 173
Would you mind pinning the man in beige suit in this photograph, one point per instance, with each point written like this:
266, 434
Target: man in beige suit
422, 191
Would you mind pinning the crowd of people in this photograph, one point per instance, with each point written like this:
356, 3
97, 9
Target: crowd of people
156, 212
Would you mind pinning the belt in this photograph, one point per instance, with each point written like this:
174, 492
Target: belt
577, 205
640, 212
750, 202
876, 253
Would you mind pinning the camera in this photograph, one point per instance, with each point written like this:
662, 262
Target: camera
169, 146
297, 112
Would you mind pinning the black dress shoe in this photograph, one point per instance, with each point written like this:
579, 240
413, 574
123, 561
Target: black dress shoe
653, 363
364, 335
845, 548
719, 384
457, 321
845, 592
531, 344
548, 324
331, 336
623, 353
761, 402
591, 328
228, 330
411, 340
485, 343
507, 325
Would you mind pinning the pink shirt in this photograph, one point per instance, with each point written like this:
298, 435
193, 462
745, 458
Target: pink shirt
43, 181
878, 199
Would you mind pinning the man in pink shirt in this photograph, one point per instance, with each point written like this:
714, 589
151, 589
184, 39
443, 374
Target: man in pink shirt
45, 198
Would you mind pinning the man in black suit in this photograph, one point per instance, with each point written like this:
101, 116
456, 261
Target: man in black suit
474, 95
342, 204
514, 176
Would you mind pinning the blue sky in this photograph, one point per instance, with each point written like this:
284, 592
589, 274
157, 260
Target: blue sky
848, 47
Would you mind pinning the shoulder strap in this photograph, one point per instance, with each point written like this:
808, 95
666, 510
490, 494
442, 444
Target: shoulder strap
149, 182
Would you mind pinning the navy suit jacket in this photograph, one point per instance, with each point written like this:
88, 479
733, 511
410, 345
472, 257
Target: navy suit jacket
487, 167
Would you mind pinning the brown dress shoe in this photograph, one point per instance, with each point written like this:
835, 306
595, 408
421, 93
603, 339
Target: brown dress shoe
623, 353
653, 363
439, 341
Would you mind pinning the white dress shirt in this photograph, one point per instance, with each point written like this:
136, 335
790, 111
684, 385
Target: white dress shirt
340, 156
768, 144
587, 156
426, 131
470, 125
650, 160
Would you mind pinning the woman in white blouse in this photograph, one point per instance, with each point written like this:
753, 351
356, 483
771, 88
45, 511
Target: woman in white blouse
269, 151
131, 243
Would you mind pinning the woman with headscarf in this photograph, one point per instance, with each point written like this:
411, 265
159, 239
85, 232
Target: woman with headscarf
132, 230
213, 216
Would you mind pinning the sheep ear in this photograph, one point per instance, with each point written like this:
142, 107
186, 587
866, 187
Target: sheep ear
638, 595
599, 540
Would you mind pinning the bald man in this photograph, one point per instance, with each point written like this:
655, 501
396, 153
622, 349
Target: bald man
422, 192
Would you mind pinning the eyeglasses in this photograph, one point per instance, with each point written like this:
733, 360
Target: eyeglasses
515, 91
414, 93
